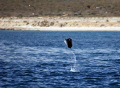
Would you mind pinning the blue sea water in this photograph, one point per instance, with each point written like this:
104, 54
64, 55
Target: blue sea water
40, 59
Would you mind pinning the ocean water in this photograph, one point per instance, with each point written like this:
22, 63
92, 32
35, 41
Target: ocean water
40, 59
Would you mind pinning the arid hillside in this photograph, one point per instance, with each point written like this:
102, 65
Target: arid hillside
80, 8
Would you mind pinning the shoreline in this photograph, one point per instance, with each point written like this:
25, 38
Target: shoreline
64, 28
61, 23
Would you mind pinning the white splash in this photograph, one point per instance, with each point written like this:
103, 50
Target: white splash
74, 67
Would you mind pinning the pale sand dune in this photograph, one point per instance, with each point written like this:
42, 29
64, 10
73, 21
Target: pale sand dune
61, 23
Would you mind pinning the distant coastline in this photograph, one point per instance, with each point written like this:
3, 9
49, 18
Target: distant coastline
58, 23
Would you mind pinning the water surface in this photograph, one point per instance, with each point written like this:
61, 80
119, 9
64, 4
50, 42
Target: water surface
40, 59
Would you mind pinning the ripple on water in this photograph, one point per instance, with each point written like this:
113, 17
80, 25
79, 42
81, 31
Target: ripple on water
41, 59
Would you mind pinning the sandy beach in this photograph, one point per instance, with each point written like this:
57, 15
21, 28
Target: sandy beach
61, 23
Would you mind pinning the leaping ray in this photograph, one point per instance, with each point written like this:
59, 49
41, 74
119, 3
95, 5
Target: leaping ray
68, 42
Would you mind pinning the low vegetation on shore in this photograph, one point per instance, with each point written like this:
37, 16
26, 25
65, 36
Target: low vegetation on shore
11, 22
79, 8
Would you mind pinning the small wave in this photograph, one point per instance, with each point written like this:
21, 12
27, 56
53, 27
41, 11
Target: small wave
74, 70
